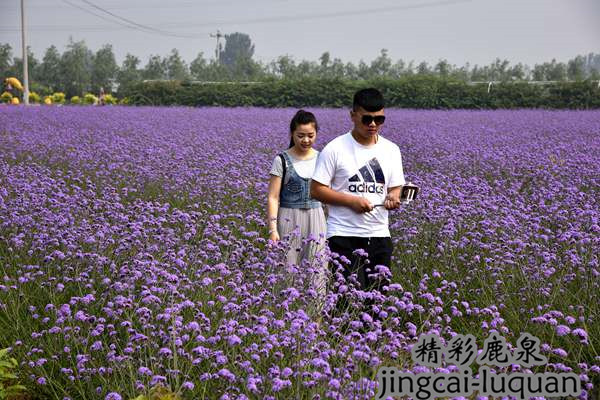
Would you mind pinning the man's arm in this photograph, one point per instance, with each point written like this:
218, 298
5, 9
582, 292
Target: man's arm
327, 195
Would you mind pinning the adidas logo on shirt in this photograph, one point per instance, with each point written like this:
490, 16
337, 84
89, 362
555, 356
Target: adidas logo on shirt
370, 179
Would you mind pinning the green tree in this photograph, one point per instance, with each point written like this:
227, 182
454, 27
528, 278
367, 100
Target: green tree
246, 69
76, 68
518, 72
104, 69
284, 67
556, 71
49, 70
307, 68
324, 61
398, 69
423, 68
442, 68
592, 66
155, 68
539, 72
129, 73
237, 46
350, 71
5, 59
212, 71
363, 70
576, 68
499, 70
381, 65
176, 67
199, 67
16, 69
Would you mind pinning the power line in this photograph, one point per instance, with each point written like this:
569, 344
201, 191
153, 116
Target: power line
135, 24
336, 14
144, 27
282, 18
92, 13
127, 23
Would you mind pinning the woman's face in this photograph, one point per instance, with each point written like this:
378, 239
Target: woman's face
304, 137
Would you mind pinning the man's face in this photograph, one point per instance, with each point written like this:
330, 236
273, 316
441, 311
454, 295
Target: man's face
367, 123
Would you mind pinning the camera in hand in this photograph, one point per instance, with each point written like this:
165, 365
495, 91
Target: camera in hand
409, 193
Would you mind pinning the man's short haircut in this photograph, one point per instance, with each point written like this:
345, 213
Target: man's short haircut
370, 99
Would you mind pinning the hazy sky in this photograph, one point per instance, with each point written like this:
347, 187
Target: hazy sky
475, 31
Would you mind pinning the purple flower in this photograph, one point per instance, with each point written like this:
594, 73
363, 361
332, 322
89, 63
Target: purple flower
562, 330
580, 333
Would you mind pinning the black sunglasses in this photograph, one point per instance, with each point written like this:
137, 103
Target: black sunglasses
367, 119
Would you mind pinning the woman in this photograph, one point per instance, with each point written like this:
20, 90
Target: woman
291, 212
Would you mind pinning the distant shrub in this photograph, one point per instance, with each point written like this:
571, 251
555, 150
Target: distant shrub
75, 100
47, 100
15, 100
34, 97
110, 99
90, 99
6, 97
58, 98
421, 92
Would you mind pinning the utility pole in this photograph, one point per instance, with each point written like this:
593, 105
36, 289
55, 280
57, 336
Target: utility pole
25, 67
218, 35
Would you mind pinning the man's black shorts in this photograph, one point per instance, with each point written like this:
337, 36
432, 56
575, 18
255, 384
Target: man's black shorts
379, 251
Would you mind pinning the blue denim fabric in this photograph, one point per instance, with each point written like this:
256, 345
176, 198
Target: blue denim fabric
295, 190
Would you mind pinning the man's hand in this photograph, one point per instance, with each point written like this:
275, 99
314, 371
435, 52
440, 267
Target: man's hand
361, 205
392, 200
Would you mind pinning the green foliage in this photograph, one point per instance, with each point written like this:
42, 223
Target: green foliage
5, 57
129, 72
90, 99
9, 386
34, 97
110, 99
238, 46
6, 97
58, 98
75, 100
414, 91
76, 68
104, 69
49, 69
159, 393
176, 67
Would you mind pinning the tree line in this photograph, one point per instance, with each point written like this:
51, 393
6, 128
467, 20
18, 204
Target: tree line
78, 69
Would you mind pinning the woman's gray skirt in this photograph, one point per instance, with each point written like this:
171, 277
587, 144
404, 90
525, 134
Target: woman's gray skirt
305, 230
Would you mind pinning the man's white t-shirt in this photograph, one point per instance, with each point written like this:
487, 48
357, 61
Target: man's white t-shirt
347, 166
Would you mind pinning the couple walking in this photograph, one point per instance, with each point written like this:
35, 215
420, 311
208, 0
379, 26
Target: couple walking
358, 175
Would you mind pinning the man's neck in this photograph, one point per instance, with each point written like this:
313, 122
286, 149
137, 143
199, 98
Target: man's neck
365, 142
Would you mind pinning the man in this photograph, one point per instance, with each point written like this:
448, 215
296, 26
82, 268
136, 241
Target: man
359, 175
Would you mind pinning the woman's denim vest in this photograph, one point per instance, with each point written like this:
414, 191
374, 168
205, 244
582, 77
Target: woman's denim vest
295, 190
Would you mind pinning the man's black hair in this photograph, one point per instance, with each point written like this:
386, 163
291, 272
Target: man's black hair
370, 99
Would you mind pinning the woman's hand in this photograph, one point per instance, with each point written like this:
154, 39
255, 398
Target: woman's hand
274, 236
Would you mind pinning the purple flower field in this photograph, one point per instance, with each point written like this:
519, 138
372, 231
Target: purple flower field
133, 251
